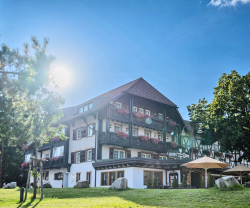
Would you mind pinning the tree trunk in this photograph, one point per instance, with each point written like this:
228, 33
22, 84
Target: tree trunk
1, 162
34, 169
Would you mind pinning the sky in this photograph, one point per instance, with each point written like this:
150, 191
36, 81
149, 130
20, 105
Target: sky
181, 47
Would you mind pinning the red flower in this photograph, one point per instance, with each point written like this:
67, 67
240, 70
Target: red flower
25, 164
144, 138
155, 141
122, 134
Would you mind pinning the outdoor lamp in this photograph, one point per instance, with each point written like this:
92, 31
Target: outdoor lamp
183, 132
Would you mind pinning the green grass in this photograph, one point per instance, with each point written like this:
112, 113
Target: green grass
103, 197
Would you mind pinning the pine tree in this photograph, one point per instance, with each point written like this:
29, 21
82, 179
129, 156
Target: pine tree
184, 182
148, 183
175, 182
155, 185
211, 181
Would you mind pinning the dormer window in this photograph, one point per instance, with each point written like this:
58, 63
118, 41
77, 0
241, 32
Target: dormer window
80, 110
118, 105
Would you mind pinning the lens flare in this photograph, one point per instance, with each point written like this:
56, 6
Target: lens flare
148, 121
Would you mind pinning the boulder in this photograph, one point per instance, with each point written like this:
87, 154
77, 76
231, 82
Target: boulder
11, 185
82, 184
226, 181
44, 182
120, 183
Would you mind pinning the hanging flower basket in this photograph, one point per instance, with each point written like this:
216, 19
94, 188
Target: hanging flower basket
25, 147
207, 153
218, 154
194, 150
155, 141
122, 134
144, 138
174, 145
26, 164
138, 115
56, 138
55, 158
123, 111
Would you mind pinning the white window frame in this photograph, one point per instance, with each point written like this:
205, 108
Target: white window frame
59, 149
134, 109
87, 108
141, 110
80, 110
77, 136
47, 155
119, 154
147, 132
78, 157
90, 105
119, 126
90, 130
27, 158
160, 115
147, 111
162, 157
118, 105
161, 137
89, 155
136, 132
144, 155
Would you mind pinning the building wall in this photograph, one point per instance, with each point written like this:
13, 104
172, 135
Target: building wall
179, 175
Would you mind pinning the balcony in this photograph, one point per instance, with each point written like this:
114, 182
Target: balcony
152, 123
46, 165
115, 115
57, 163
139, 144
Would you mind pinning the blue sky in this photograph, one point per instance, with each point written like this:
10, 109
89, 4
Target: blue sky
180, 47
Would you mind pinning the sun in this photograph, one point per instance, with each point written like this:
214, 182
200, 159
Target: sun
61, 76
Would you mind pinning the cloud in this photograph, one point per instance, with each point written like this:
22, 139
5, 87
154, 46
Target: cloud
227, 3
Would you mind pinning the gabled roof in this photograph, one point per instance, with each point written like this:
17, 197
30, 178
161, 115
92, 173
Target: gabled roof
138, 87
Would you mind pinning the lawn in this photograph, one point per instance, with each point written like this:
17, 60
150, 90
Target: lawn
103, 197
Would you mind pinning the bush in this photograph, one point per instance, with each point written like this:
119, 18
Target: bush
184, 182
211, 181
175, 182
148, 183
47, 185
155, 182
234, 187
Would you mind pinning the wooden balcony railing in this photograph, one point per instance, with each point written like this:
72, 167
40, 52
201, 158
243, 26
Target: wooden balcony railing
57, 163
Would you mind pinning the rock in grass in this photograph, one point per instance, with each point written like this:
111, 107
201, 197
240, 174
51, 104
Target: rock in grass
227, 181
120, 183
11, 185
82, 184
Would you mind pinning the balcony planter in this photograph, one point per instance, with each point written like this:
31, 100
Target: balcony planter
195, 151
171, 122
122, 134
207, 153
25, 164
55, 158
174, 145
123, 111
217, 154
155, 141
144, 138
228, 155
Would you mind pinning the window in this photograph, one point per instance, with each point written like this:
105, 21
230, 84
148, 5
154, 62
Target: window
160, 116
58, 176
111, 177
162, 158
78, 133
86, 107
135, 132
90, 105
90, 130
147, 133
88, 177
150, 175
58, 151
117, 128
146, 155
147, 175
78, 157
160, 137
119, 154
141, 110
78, 177
80, 110
46, 175
120, 174
27, 158
118, 105
46, 155
134, 109
104, 181
89, 155
147, 112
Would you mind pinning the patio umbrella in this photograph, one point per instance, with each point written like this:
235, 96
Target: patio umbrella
238, 170
206, 163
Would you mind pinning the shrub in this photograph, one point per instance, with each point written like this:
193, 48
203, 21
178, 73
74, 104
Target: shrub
47, 185
234, 187
184, 182
175, 182
211, 181
148, 183
155, 182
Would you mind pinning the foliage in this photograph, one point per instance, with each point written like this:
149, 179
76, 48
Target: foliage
122, 134
234, 187
206, 152
148, 183
25, 164
155, 185
218, 154
211, 181
174, 145
155, 141
171, 123
226, 118
175, 183
47, 185
33, 173
184, 181
194, 150
144, 138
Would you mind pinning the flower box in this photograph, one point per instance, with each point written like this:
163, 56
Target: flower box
55, 158
155, 141
25, 164
218, 154
139, 115
144, 138
207, 153
174, 145
123, 111
122, 134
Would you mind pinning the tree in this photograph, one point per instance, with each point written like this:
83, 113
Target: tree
184, 182
148, 183
211, 181
155, 185
175, 182
227, 118
27, 106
